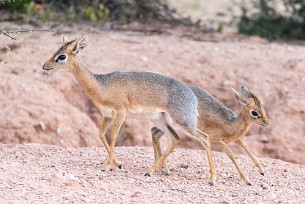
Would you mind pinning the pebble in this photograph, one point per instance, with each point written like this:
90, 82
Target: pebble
264, 185
263, 139
184, 166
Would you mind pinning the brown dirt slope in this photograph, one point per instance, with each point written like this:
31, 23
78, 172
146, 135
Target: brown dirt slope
35, 112
36, 173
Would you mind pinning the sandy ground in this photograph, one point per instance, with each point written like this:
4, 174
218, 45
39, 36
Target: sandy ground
36, 173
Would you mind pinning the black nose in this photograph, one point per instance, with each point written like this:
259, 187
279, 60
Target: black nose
265, 124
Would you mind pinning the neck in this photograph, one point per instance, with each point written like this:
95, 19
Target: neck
84, 76
241, 125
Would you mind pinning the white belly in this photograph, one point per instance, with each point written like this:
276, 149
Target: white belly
143, 112
135, 112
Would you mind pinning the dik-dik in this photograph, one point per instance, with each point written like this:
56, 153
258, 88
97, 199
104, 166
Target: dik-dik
224, 126
168, 103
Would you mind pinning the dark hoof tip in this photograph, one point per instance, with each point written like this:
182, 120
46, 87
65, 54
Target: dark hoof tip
147, 174
166, 174
211, 183
263, 174
154, 128
120, 166
249, 184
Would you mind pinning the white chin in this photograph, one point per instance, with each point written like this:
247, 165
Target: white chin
48, 72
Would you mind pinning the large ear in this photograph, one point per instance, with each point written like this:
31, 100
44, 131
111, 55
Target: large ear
244, 90
240, 98
80, 44
65, 40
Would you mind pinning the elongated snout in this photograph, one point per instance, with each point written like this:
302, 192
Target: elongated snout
46, 66
265, 123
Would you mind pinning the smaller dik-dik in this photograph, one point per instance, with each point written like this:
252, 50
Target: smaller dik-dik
168, 103
224, 126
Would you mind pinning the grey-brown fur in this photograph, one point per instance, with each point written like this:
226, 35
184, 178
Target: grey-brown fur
223, 125
212, 107
160, 91
168, 103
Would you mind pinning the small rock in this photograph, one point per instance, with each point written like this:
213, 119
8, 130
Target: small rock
263, 139
285, 170
228, 83
40, 126
264, 185
58, 130
144, 59
184, 166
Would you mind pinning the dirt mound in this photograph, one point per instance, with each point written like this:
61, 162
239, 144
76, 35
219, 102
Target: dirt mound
35, 173
275, 72
34, 112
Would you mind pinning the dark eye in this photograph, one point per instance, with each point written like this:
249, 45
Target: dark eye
61, 58
254, 113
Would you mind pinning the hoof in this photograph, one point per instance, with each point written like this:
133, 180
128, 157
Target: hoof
120, 166
211, 183
154, 128
263, 174
165, 174
249, 184
147, 174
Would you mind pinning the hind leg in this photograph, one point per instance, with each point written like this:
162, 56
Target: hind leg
156, 135
204, 140
175, 139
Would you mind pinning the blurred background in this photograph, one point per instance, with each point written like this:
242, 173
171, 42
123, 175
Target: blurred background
216, 45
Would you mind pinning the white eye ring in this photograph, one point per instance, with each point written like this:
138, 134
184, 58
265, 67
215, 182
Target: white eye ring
61, 58
254, 114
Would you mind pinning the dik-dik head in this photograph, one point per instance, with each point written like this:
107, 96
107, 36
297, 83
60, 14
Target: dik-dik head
66, 56
253, 108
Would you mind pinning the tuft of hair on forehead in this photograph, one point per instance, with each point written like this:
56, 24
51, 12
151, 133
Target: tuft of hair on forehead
64, 47
257, 101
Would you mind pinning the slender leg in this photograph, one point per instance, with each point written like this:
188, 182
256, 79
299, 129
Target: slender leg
117, 123
204, 139
254, 159
156, 135
103, 128
175, 141
229, 152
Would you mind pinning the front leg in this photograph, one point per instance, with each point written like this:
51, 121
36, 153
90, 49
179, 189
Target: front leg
254, 159
229, 152
103, 128
117, 123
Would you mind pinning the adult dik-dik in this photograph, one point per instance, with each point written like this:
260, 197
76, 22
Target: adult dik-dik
224, 126
168, 103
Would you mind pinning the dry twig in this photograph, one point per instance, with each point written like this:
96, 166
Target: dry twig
8, 33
